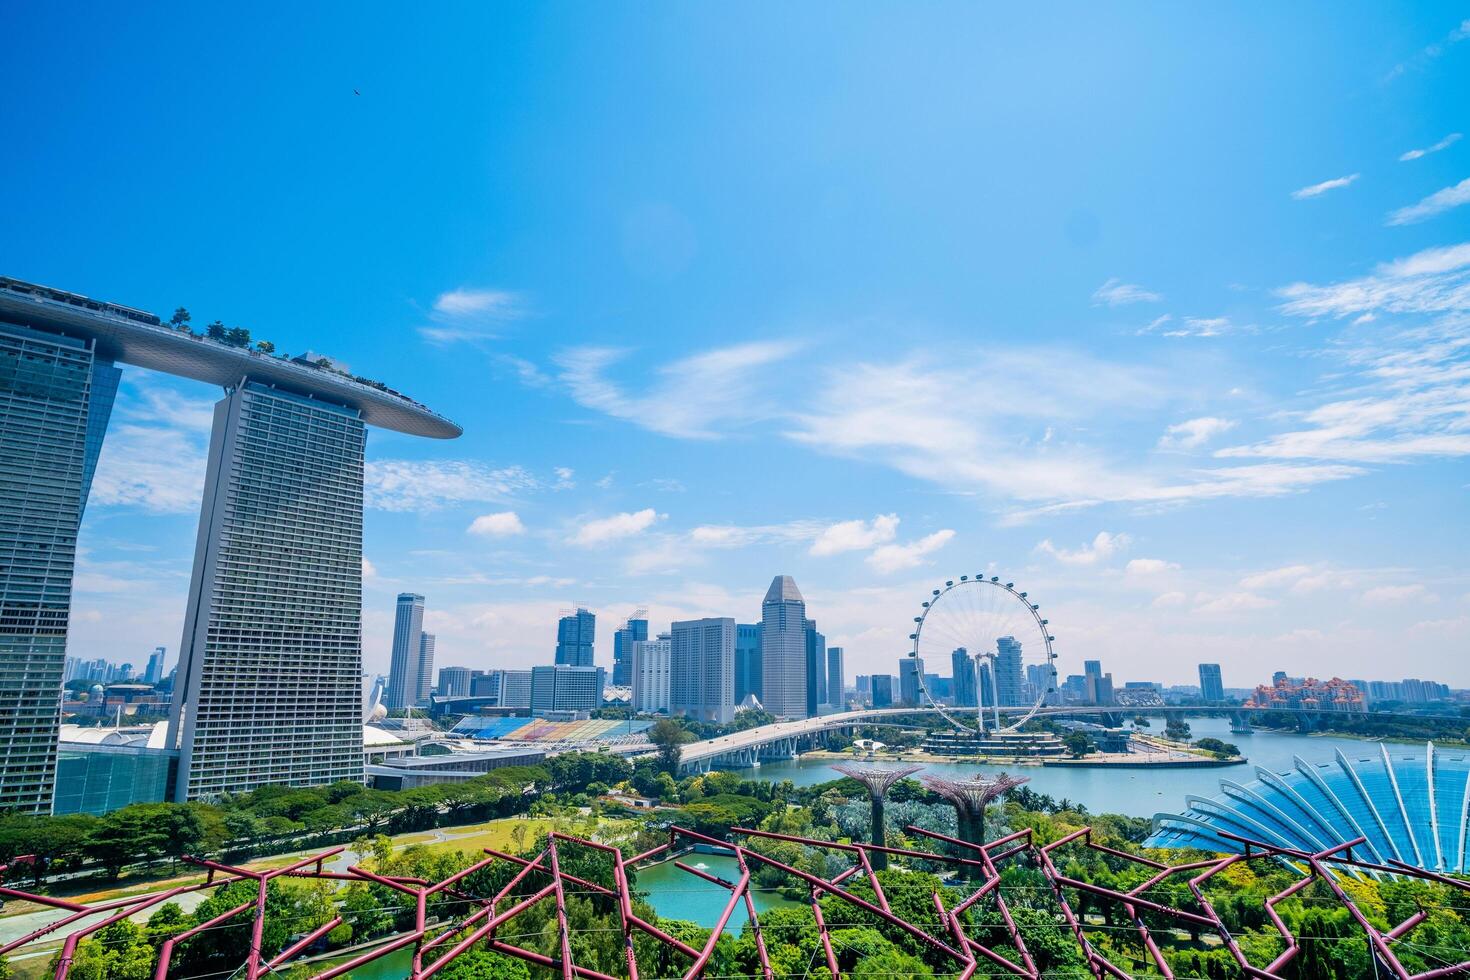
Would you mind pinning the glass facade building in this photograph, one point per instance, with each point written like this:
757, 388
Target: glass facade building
100, 778
702, 669
575, 635
783, 650
403, 665
1411, 804
270, 665
55, 399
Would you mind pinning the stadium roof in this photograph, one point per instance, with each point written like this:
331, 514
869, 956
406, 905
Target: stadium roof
139, 338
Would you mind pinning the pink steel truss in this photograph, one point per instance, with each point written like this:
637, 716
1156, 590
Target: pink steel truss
543, 878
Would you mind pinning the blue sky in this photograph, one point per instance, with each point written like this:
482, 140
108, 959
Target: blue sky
1161, 311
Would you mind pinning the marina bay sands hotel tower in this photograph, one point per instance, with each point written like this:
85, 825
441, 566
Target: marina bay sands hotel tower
268, 688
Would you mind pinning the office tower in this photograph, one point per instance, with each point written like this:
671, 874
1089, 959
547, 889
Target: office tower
563, 687
864, 685
783, 650
403, 668
509, 688
1211, 688
425, 668
965, 690
651, 664
882, 690
154, 673
909, 669
834, 679
271, 658
747, 661
702, 669
55, 398
574, 638
1009, 677
985, 686
635, 630
455, 682
816, 669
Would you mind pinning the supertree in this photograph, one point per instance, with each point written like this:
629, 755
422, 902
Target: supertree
877, 781
970, 797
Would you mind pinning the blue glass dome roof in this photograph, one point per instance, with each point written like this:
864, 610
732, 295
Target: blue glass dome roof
1412, 805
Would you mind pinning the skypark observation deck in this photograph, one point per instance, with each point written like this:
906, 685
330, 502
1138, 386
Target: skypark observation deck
128, 336
270, 661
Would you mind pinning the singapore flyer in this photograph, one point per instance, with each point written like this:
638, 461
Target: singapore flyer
999, 645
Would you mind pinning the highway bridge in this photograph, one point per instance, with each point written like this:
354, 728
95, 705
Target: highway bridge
788, 739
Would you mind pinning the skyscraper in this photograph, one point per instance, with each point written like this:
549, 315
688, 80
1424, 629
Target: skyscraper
783, 650
403, 667
835, 680
882, 690
965, 689
575, 633
1009, 676
635, 630
154, 672
909, 669
651, 666
270, 665
425, 668
55, 399
816, 669
1211, 688
455, 682
563, 687
702, 669
747, 661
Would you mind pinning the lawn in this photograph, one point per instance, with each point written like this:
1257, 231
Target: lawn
500, 834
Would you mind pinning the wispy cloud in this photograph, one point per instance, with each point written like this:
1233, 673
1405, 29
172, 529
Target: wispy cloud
1437, 203
1436, 280
1100, 549
602, 530
697, 397
1116, 292
406, 485
1200, 326
1429, 53
1314, 190
1414, 592
1445, 143
856, 535
468, 314
1148, 567
898, 557
1194, 432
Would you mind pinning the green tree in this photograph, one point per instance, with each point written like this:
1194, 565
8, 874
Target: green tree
180, 319
216, 331
669, 737
1078, 743
265, 347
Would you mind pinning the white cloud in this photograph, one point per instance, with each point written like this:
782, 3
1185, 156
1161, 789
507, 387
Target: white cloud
153, 458
500, 525
1231, 602
1276, 578
856, 535
465, 302
1103, 547
1437, 203
1448, 141
625, 525
693, 398
1116, 292
405, 485
1435, 280
897, 557
1194, 432
467, 314
1327, 185
736, 536
1385, 594
1149, 566
1200, 326
369, 570
1170, 600
1423, 58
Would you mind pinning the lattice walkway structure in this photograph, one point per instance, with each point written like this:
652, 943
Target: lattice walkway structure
543, 878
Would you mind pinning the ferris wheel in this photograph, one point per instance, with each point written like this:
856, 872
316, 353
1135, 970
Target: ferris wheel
997, 634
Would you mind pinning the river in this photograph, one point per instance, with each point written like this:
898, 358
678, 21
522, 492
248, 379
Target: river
1134, 792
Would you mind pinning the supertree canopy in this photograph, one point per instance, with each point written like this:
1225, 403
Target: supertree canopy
970, 797
878, 781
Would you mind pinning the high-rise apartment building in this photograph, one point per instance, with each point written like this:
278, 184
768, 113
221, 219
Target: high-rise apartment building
816, 669
783, 650
403, 667
455, 682
651, 667
835, 679
747, 661
702, 669
508, 688
1211, 687
563, 687
575, 633
1009, 677
425, 667
635, 630
55, 398
270, 665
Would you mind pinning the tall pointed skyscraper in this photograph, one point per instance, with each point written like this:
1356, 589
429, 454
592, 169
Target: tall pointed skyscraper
783, 649
403, 668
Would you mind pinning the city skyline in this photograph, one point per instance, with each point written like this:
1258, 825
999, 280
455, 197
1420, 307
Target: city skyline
1159, 412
